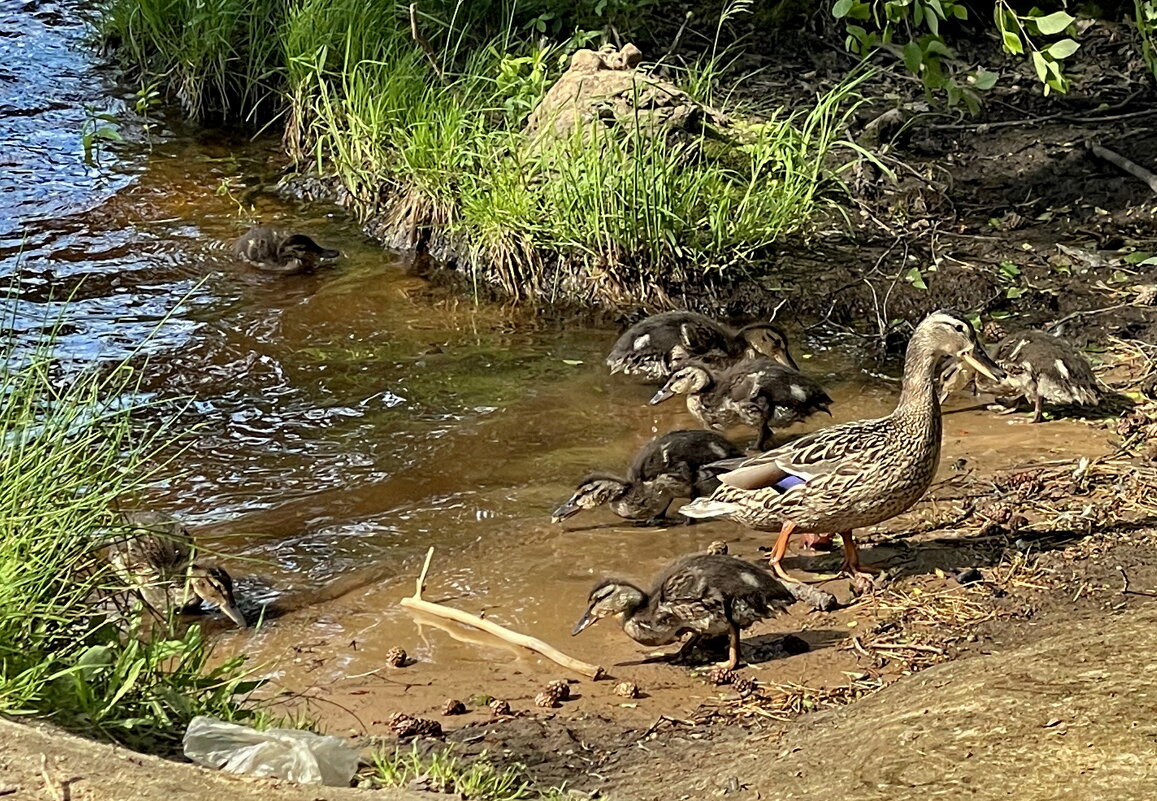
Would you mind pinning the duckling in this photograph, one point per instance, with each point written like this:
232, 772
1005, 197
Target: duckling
756, 392
275, 251
668, 467
645, 348
155, 559
857, 473
695, 596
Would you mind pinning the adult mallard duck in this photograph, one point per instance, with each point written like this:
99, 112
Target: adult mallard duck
646, 347
696, 596
1040, 367
156, 560
668, 467
857, 473
755, 392
275, 251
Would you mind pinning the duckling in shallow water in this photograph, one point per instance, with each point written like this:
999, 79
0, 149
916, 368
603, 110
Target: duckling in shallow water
1041, 367
155, 560
755, 392
646, 347
275, 251
668, 467
696, 596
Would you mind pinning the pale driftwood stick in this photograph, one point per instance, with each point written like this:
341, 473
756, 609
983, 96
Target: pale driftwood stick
416, 601
1122, 163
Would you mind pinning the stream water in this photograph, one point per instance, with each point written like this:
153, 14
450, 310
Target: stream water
350, 419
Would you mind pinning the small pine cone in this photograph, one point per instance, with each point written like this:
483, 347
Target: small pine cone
404, 725
721, 675
560, 688
546, 700
718, 548
453, 707
1026, 481
396, 657
627, 689
499, 707
992, 331
428, 728
743, 685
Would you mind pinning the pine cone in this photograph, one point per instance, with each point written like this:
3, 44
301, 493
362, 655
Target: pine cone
404, 725
1146, 295
721, 675
627, 689
993, 331
547, 700
396, 657
499, 707
743, 685
453, 707
559, 688
719, 548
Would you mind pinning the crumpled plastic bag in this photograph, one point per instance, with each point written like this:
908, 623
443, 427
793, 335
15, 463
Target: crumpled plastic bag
299, 756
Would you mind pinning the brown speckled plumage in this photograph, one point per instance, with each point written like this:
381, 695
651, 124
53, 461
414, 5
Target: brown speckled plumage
698, 595
857, 473
647, 348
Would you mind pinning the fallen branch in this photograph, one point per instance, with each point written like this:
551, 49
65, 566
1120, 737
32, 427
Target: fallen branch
1122, 163
416, 601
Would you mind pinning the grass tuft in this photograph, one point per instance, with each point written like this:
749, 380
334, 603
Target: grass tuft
72, 451
443, 772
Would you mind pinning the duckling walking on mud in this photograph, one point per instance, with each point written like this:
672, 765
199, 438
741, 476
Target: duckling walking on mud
668, 467
703, 595
646, 348
155, 560
858, 473
1041, 367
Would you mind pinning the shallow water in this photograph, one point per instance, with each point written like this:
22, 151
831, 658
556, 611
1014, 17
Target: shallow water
350, 419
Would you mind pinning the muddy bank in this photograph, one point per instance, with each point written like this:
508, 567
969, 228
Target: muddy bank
41, 762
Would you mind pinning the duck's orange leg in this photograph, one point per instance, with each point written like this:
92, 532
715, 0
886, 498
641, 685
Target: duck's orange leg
780, 549
860, 574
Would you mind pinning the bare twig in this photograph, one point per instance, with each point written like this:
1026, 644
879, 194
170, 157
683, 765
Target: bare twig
506, 635
1122, 163
424, 43
1125, 586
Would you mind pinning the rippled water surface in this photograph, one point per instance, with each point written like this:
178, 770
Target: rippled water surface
346, 420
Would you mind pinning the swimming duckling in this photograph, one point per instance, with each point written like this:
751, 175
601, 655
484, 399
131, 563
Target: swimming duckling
756, 392
645, 348
668, 467
695, 596
275, 251
155, 560
1041, 367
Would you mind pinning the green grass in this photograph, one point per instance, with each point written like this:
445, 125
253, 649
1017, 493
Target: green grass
443, 772
435, 153
74, 450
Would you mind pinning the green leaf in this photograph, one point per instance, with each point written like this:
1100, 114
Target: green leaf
915, 278
959, 11
572, 362
1054, 22
1137, 257
913, 56
1012, 43
1062, 49
841, 8
984, 80
1014, 292
1041, 65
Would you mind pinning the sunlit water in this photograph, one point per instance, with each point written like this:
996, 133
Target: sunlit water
348, 420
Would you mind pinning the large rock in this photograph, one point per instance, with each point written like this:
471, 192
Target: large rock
607, 87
